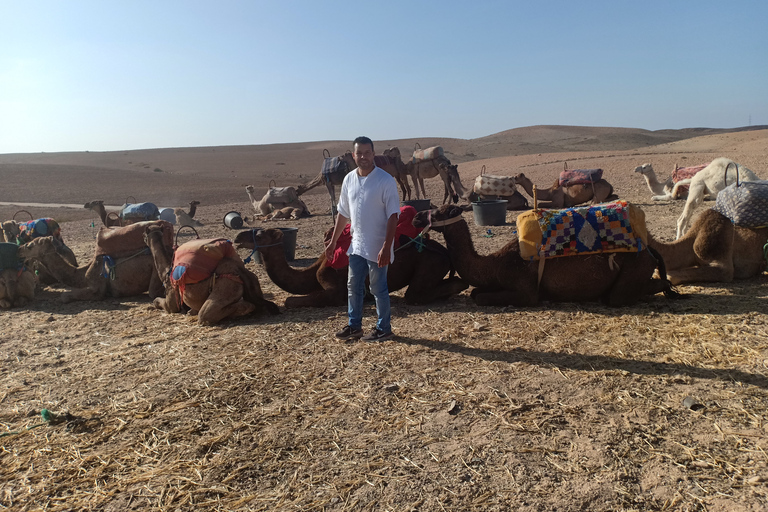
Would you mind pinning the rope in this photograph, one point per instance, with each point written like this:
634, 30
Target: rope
110, 263
419, 241
48, 418
256, 247
765, 255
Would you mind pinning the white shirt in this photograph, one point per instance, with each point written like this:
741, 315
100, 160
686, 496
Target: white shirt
368, 202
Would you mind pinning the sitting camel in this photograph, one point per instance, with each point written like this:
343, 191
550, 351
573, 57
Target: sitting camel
505, 278
122, 265
322, 285
10, 231
720, 173
109, 219
278, 199
713, 250
558, 196
184, 219
666, 190
208, 276
17, 284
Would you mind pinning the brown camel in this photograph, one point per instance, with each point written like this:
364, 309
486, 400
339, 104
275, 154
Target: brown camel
109, 219
229, 291
17, 284
504, 277
442, 167
557, 196
321, 285
122, 265
714, 250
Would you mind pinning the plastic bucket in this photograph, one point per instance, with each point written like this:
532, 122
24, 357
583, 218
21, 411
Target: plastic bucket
490, 213
233, 220
289, 245
419, 204
167, 214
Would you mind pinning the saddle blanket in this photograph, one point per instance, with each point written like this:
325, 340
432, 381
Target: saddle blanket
36, 228
404, 227
121, 242
684, 173
334, 165
608, 227
196, 260
140, 211
428, 154
570, 177
746, 204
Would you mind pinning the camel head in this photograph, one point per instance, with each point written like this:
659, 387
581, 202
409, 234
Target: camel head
521, 179
93, 204
11, 230
453, 174
37, 248
249, 189
645, 169
257, 237
439, 218
393, 153
194, 203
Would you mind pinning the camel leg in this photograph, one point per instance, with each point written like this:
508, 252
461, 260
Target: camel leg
426, 292
219, 304
695, 198
327, 297
503, 298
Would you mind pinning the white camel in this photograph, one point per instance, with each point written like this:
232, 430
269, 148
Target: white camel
183, 218
710, 181
665, 190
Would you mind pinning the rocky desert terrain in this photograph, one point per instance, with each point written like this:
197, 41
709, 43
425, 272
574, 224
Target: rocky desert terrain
572, 406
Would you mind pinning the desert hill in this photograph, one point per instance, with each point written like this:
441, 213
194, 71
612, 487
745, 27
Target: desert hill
215, 175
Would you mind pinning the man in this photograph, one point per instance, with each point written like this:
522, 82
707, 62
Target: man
369, 202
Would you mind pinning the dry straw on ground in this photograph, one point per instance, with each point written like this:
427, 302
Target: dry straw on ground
556, 407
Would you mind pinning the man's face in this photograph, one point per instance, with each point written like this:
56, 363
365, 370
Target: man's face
363, 155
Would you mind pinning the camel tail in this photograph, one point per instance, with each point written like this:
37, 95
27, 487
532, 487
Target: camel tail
669, 290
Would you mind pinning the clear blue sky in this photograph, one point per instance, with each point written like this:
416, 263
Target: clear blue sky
117, 74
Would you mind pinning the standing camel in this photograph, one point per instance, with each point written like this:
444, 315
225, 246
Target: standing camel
720, 173
505, 278
437, 167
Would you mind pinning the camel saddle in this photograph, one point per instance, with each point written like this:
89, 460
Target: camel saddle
9, 258
121, 242
335, 165
745, 203
421, 155
36, 228
570, 177
685, 173
609, 227
139, 212
196, 260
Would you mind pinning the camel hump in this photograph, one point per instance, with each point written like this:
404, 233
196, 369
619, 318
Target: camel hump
119, 242
428, 154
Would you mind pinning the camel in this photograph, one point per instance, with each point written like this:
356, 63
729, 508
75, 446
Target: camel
229, 290
109, 219
21, 233
17, 284
437, 167
321, 285
713, 250
184, 219
666, 190
558, 197
128, 271
330, 180
10, 231
516, 201
278, 199
392, 162
505, 278
720, 173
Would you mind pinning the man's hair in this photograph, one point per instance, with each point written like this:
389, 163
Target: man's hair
363, 140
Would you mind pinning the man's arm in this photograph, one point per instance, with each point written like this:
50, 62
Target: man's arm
385, 255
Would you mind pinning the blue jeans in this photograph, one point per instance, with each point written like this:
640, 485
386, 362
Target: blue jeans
359, 269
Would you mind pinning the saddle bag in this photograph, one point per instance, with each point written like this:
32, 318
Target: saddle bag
494, 186
421, 155
121, 242
745, 203
36, 228
334, 165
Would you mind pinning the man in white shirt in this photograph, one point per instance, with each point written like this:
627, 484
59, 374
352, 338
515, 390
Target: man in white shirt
370, 203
